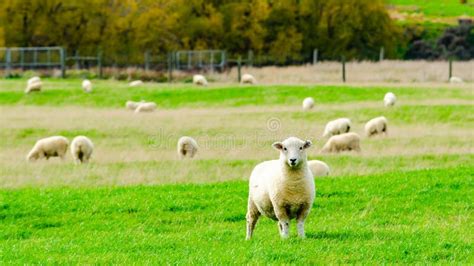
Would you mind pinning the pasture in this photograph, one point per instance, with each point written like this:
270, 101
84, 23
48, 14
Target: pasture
405, 198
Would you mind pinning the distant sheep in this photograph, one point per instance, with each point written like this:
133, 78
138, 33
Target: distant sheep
33, 84
336, 127
344, 142
146, 107
187, 147
199, 80
318, 168
282, 189
455, 80
248, 79
308, 103
81, 149
376, 126
87, 86
131, 105
55, 146
135, 83
389, 99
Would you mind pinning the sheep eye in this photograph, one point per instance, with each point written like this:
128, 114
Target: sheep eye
301, 148
284, 149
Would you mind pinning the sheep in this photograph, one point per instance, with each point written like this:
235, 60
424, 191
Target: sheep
135, 83
33, 84
187, 147
55, 146
454, 79
318, 168
81, 149
199, 80
308, 103
336, 127
344, 142
376, 126
282, 189
145, 107
389, 99
248, 79
131, 105
87, 86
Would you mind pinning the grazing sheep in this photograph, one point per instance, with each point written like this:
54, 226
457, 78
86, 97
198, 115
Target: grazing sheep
87, 86
376, 126
199, 80
455, 80
135, 83
389, 99
187, 147
55, 146
248, 79
145, 107
33, 84
318, 168
308, 103
81, 149
131, 105
344, 142
336, 127
282, 189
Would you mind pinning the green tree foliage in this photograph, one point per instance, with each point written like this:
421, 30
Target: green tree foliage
286, 29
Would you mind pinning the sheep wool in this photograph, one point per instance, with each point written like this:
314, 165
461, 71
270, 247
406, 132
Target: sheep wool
81, 149
376, 126
336, 127
135, 83
282, 189
87, 86
145, 107
199, 80
343, 142
55, 146
308, 103
33, 84
389, 99
248, 79
187, 147
318, 168
131, 105
454, 79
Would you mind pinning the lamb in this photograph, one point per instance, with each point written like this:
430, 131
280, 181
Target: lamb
318, 168
248, 79
33, 84
389, 99
282, 189
87, 86
145, 107
135, 83
376, 126
199, 80
187, 147
81, 149
55, 146
131, 105
454, 79
336, 127
308, 103
344, 142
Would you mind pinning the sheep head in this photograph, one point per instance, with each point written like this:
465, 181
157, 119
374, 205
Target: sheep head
293, 151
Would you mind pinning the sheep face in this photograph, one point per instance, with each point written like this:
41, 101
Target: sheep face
292, 151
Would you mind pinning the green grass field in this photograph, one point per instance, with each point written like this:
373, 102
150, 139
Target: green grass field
406, 198
437, 8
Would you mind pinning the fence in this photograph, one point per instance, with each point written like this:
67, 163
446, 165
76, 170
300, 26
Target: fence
32, 58
202, 60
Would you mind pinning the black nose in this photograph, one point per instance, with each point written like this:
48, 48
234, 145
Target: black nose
293, 161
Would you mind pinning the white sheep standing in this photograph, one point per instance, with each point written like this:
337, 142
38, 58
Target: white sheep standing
308, 103
135, 83
318, 168
282, 189
187, 147
33, 84
336, 127
145, 107
389, 99
81, 149
55, 146
376, 126
454, 79
248, 79
87, 86
343, 142
199, 80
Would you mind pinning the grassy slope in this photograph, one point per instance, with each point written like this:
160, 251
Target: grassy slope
438, 7
421, 216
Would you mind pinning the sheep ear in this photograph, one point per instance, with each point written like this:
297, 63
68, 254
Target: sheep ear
307, 144
277, 146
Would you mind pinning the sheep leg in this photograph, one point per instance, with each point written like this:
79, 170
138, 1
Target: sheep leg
300, 219
283, 222
252, 217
